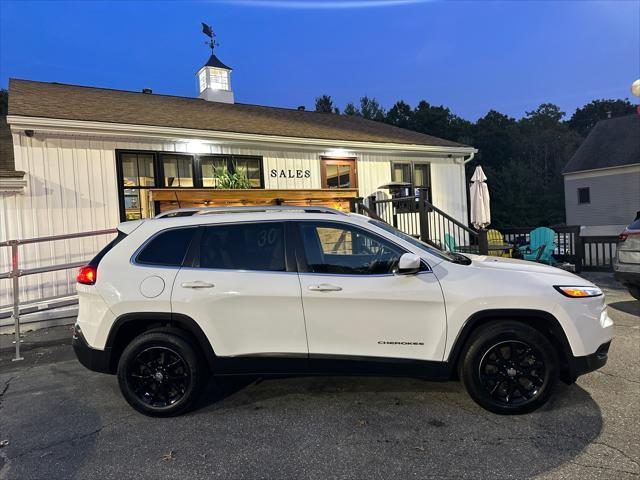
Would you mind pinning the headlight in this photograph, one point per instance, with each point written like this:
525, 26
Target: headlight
578, 292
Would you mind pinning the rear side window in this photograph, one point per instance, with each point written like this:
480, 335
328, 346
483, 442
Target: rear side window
249, 246
635, 225
167, 248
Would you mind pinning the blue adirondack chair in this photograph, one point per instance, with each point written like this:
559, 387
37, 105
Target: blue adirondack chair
541, 246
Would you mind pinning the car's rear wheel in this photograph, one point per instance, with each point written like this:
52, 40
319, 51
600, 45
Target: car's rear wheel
634, 290
509, 368
160, 374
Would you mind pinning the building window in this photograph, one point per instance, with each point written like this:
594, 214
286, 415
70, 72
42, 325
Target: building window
138, 172
214, 167
584, 195
338, 173
418, 174
177, 170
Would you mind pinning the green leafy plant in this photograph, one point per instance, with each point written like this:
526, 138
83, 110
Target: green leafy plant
232, 181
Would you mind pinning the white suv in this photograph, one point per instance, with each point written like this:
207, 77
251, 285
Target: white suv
300, 291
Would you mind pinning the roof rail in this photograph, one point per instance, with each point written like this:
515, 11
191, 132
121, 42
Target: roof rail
188, 212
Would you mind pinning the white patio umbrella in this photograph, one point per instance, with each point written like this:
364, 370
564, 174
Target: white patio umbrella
480, 208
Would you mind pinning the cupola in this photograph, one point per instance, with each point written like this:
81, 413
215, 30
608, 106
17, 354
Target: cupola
214, 77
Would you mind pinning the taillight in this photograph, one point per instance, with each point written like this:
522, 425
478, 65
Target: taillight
87, 275
622, 237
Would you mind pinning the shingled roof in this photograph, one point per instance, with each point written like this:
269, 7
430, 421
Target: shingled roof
7, 163
70, 102
614, 142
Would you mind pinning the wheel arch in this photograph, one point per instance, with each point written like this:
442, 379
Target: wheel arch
130, 325
541, 320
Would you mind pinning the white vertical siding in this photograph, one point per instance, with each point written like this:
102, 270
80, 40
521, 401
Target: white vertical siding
72, 187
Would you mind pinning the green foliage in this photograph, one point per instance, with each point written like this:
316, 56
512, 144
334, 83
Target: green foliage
4, 101
324, 104
523, 159
233, 181
350, 109
585, 118
371, 110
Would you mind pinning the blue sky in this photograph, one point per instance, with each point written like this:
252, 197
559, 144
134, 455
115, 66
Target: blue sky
468, 55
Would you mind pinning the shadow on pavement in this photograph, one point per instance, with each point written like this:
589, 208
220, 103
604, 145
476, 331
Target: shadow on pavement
629, 306
403, 426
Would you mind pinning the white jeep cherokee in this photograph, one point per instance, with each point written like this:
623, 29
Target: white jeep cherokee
300, 291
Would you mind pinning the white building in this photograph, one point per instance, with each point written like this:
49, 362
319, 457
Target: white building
91, 157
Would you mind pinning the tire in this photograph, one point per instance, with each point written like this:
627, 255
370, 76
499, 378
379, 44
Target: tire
160, 374
634, 290
502, 384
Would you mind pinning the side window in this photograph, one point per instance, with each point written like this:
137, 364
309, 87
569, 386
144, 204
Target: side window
167, 248
346, 250
249, 246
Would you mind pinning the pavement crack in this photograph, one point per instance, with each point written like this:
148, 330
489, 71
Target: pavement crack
604, 444
5, 388
608, 469
617, 376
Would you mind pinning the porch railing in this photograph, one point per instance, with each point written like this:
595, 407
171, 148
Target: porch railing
417, 216
16, 272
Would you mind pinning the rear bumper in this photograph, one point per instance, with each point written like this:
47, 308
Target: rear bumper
588, 363
91, 358
632, 278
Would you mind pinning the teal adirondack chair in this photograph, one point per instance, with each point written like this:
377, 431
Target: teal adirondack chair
449, 243
541, 246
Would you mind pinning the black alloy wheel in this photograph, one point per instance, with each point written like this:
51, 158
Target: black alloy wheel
509, 367
160, 374
513, 372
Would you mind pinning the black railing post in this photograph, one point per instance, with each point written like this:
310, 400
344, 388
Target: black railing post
483, 242
354, 204
423, 213
579, 251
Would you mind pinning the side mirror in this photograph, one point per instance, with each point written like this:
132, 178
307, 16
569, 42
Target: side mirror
409, 264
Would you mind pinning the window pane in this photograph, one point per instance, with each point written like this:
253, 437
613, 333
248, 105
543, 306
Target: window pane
346, 250
256, 246
250, 167
129, 170
212, 169
402, 172
584, 195
421, 175
145, 171
168, 248
338, 176
132, 208
178, 170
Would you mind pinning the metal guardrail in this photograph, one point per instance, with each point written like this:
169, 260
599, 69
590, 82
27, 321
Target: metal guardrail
16, 272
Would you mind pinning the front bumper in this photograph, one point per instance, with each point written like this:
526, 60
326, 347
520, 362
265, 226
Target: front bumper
627, 278
91, 358
588, 363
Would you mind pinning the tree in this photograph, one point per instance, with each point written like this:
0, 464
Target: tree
585, 118
350, 109
324, 104
370, 109
4, 101
400, 115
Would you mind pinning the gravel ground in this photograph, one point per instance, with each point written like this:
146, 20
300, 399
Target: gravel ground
63, 421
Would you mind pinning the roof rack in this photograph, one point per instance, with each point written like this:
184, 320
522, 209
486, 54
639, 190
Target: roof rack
188, 212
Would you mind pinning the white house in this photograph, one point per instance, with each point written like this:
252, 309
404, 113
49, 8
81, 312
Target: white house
93, 157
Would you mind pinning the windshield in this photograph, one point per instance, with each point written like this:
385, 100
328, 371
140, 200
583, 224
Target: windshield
417, 243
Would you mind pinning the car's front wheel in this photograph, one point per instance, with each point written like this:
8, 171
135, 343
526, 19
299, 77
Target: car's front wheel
160, 374
509, 368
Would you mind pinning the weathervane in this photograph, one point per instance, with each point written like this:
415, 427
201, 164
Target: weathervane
206, 29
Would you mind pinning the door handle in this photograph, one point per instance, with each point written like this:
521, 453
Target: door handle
325, 287
197, 284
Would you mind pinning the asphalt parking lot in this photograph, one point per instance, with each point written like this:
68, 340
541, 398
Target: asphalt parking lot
63, 421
